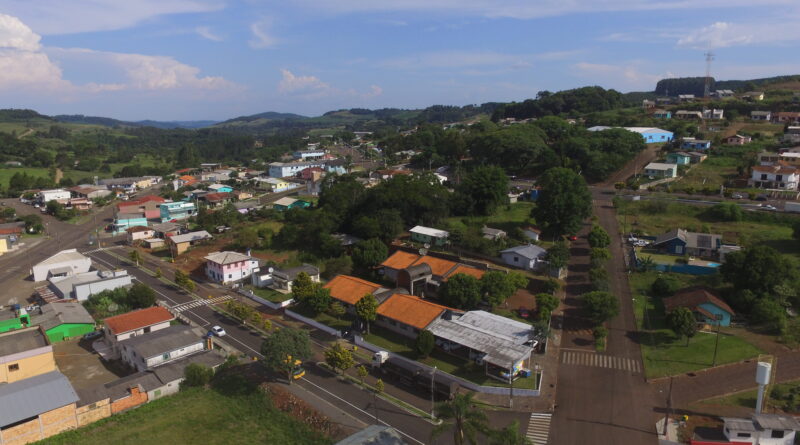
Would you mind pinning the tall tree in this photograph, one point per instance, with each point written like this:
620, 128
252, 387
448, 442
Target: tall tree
497, 286
601, 306
283, 347
509, 435
557, 255
302, 287
424, 343
759, 268
369, 253
681, 321
598, 237
462, 416
564, 201
461, 291
141, 295
339, 358
367, 309
482, 191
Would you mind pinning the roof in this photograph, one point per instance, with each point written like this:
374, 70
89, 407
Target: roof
33, 396
63, 257
400, 260
214, 197
57, 313
776, 422
292, 273
374, 435
501, 339
130, 321
760, 113
20, 340
439, 266
174, 370
738, 424
136, 229
188, 178
436, 233
738, 136
692, 239
776, 169
679, 153
411, 310
285, 201
350, 289
492, 232
227, 257
163, 340
191, 236
467, 270
142, 200
529, 251
165, 227
692, 297
659, 166
219, 186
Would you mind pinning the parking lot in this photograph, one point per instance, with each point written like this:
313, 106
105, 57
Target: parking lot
83, 367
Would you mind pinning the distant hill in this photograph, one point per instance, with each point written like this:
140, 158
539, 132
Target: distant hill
21, 115
113, 123
169, 125
696, 85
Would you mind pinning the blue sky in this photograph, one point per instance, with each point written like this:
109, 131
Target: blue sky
213, 59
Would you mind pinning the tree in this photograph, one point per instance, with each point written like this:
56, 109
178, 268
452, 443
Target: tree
461, 291
183, 281
557, 255
496, 287
379, 387
158, 272
336, 309
342, 265
564, 201
135, 257
726, 211
482, 191
196, 374
759, 268
362, 373
302, 287
601, 306
665, 286
424, 343
283, 347
463, 417
769, 313
598, 237
141, 295
367, 309
681, 321
546, 304
369, 253
319, 301
509, 435
247, 238
339, 358
599, 255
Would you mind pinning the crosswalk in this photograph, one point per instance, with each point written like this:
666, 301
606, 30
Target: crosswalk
539, 428
100, 249
600, 361
197, 303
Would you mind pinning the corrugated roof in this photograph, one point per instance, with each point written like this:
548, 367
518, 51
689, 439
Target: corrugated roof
33, 396
411, 310
400, 260
163, 340
63, 256
138, 319
191, 236
285, 201
350, 289
56, 314
529, 251
436, 233
777, 422
227, 257
497, 338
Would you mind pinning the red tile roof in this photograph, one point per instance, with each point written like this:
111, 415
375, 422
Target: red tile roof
438, 266
692, 297
216, 197
400, 260
776, 169
350, 289
411, 310
467, 270
138, 319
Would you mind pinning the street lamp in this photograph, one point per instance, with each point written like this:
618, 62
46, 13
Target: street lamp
433, 393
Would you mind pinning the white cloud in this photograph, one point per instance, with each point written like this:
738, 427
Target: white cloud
625, 77
15, 34
291, 83
262, 38
57, 17
206, 33
724, 34
311, 87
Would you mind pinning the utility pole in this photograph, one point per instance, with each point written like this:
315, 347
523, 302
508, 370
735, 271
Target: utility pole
669, 408
511, 388
716, 342
433, 393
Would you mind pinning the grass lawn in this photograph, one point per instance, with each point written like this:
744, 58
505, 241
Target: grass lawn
641, 282
344, 322
505, 218
269, 294
7, 173
196, 416
711, 173
747, 399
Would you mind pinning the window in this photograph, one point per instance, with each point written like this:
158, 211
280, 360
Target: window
763, 177
165, 356
742, 434
779, 177
13, 367
777, 434
516, 259
230, 275
147, 329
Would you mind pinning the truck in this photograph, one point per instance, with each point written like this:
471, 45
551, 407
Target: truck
792, 206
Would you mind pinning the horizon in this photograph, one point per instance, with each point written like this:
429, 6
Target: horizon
176, 60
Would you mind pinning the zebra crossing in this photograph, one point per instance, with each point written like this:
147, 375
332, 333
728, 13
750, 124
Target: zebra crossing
600, 361
197, 303
539, 428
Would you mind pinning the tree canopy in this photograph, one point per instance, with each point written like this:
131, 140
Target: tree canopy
461, 291
564, 201
283, 347
601, 306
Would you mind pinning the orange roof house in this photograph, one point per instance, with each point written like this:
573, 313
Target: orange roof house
468, 270
349, 289
410, 310
400, 260
438, 266
142, 318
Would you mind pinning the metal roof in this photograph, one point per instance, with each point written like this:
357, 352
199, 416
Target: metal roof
529, 251
776, 422
175, 370
500, 339
737, 424
63, 256
56, 314
191, 236
227, 257
163, 340
437, 233
33, 396
285, 201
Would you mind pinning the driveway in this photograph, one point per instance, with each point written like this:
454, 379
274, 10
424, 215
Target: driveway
83, 367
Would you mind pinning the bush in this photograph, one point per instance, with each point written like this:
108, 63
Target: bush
598, 276
551, 286
424, 343
665, 286
197, 375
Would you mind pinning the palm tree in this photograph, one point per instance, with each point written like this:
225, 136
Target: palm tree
509, 435
461, 415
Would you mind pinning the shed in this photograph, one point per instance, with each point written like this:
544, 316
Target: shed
62, 321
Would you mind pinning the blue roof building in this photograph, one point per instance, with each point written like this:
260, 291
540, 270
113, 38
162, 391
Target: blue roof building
177, 210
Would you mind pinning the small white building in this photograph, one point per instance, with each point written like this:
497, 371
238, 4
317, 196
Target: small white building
131, 324
65, 263
282, 279
532, 233
83, 285
527, 257
661, 170
60, 195
157, 348
138, 233
774, 177
760, 429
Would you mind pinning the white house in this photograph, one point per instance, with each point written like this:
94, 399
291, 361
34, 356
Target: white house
229, 267
760, 429
761, 115
81, 286
661, 170
131, 324
714, 113
528, 257
157, 348
64, 263
282, 279
774, 177
54, 194
532, 233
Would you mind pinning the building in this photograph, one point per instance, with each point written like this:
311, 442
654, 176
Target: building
527, 257
309, 154
786, 158
761, 115
138, 233
532, 233
787, 117
348, 290
738, 139
427, 235
754, 96
287, 203
63, 321
649, 134
661, 170
146, 206
241, 195
695, 157
695, 144
688, 115
229, 267
493, 234
220, 174
286, 169
776, 176
276, 184
704, 304
124, 221
283, 278
36, 408
176, 211
89, 191
685, 97
25, 353
59, 195
408, 314
217, 199
713, 114
723, 94
181, 243
134, 323
679, 158
129, 185
682, 242
760, 429
420, 274
83, 285
400, 260
167, 229
157, 348
65, 263
220, 188
11, 319
662, 114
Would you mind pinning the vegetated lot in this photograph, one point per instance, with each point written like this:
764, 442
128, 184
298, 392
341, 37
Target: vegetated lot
783, 396
505, 218
343, 322
710, 174
664, 353
269, 294
196, 415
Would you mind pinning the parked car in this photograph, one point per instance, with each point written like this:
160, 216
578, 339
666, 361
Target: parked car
572, 237
523, 312
769, 208
92, 335
737, 196
218, 331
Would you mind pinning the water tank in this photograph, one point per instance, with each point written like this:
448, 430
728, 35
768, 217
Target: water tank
763, 370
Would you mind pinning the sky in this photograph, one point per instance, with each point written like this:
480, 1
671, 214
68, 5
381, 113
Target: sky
218, 59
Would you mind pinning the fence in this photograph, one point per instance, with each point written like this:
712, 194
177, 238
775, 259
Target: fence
443, 376
689, 269
314, 323
274, 306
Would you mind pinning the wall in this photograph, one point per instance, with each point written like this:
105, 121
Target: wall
135, 398
93, 412
67, 331
173, 355
45, 425
84, 291
316, 324
78, 266
31, 363
266, 303
166, 390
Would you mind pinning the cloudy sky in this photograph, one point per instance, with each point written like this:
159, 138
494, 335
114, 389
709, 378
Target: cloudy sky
216, 59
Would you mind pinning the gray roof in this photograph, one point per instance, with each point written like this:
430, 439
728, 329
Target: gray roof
738, 424
692, 239
776, 422
165, 227
174, 370
374, 435
191, 236
56, 314
21, 340
291, 274
33, 396
529, 251
493, 232
64, 256
163, 340
66, 285
227, 257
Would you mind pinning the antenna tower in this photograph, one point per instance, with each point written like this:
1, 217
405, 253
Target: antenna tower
707, 90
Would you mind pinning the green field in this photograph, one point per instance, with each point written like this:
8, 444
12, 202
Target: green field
505, 218
196, 416
747, 399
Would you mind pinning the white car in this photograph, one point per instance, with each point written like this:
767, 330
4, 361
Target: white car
218, 331
770, 208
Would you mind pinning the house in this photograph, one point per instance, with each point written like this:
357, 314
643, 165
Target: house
89, 191
217, 199
167, 229
792, 134
389, 173
696, 157
738, 139
695, 144
285, 169
59, 195
124, 221
662, 114
682, 242
348, 290
276, 185
153, 243
408, 314
184, 181
759, 429
229, 267
241, 195
492, 234
396, 262
156, 348
680, 158
146, 206
312, 174
283, 278
688, 115
337, 166
36, 408
661, 170
647, 104
287, 203
776, 176
421, 274
786, 117
181, 243
685, 97
527, 257
80, 204
427, 235
220, 188
768, 158
723, 94
532, 233
14, 228
83, 285
761, 115
222, 174
63, 321
130, 184
755, 96
65, 263
176, 211
649, 134
11, 318
138, 233
134, 323
714, 114
311, 153
704, 304
25, 353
